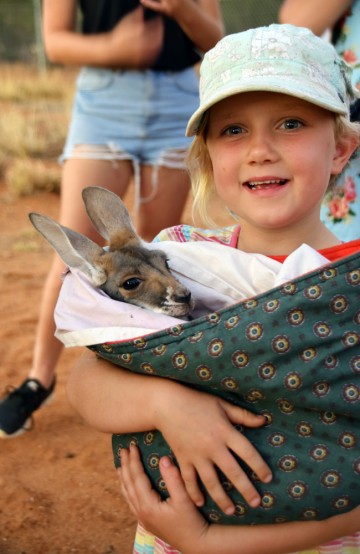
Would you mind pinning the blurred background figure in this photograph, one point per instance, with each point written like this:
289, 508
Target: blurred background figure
240, 15
135, 92
340, 20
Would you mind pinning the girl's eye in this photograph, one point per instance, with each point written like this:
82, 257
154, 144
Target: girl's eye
234, 130
291, 124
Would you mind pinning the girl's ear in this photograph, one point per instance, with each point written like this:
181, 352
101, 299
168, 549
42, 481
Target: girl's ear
345, 147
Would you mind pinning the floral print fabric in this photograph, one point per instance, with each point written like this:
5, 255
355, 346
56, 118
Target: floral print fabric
292, 354
146, 543
341, 207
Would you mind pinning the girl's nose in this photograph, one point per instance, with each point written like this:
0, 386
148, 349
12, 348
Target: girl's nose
261, 148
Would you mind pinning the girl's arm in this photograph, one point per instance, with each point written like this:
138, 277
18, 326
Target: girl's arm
133, 43
180, 524
114, 400
317, 15
201, 20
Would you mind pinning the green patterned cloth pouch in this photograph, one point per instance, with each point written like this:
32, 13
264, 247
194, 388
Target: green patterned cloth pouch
291, 353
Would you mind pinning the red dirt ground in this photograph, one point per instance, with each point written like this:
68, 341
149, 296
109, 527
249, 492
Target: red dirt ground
59, 491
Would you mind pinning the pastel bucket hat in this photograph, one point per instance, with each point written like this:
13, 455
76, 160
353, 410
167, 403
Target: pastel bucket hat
278, 58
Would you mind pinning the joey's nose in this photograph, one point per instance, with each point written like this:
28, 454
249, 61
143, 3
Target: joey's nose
183, 299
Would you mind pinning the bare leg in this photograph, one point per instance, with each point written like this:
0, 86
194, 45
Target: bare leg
77, 174
165, 207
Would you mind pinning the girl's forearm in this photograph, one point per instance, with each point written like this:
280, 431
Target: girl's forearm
276, 539
114, 400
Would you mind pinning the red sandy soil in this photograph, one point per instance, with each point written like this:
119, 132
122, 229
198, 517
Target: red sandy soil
59, 490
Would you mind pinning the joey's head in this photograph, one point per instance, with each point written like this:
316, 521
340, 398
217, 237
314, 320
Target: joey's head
127, 270
142, 277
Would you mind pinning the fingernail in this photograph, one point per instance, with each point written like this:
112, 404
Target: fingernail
230, 510
165, 462
267, 478
255, 502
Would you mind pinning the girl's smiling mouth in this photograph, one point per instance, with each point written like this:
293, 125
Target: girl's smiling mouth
265, 184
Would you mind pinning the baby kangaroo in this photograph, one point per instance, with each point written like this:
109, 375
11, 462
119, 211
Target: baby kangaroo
127, 271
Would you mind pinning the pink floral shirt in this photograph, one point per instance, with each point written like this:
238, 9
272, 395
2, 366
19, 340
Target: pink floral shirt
341, 207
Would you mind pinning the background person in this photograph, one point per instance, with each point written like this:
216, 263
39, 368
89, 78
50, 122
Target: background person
135, 93
341, 207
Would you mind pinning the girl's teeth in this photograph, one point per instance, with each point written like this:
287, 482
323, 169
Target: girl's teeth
254, 184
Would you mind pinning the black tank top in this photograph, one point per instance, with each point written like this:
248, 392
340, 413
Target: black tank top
178, 52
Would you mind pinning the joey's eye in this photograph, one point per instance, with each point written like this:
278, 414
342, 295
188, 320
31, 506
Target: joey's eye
291, 124
234, 130
167, 264
131, 283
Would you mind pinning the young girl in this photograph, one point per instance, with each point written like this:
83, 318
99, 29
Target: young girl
272, 131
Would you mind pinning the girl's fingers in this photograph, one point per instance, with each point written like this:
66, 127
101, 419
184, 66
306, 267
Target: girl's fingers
211, 481
191, 482
144, 502
241, 446
173, 480
134, 481
243, 416
126, 484
124, 492
138, 476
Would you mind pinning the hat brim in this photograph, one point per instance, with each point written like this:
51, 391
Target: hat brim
294, 87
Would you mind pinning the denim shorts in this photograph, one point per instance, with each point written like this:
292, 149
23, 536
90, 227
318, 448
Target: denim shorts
134, 115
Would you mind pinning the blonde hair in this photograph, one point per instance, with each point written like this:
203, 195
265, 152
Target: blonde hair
201, 171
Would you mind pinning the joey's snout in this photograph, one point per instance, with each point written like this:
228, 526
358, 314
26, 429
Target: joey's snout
178, 303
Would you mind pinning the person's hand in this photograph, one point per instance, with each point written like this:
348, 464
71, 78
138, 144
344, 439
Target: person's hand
134, 42
199, 429
165, 7
174, 520
201, 20
180, 524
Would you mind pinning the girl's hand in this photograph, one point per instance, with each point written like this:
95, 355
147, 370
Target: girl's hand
178, 522
177, 514
199, 428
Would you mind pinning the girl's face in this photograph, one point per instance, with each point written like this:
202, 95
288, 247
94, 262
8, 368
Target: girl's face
272, 157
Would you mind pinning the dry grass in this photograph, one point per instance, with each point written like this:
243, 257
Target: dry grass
23, 83
26, 176
35, 111
35, 133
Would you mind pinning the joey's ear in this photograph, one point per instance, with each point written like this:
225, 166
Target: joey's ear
76, 250
108, 213
345, 147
